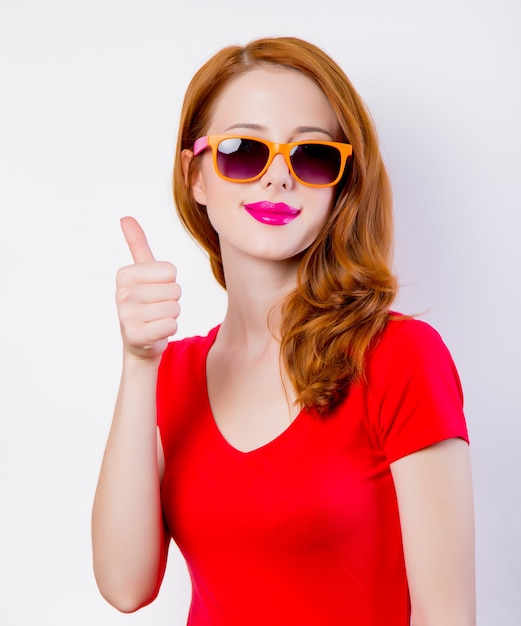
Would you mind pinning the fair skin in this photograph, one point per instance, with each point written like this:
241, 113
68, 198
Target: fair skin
260, 261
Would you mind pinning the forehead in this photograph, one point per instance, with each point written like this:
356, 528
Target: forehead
275, 98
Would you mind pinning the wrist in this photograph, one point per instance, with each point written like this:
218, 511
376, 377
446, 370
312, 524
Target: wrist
140, 360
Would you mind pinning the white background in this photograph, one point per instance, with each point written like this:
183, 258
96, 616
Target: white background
90, 95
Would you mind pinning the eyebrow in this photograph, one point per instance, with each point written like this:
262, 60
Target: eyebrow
296, 131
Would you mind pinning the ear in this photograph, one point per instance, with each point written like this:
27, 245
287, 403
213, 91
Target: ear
196, 183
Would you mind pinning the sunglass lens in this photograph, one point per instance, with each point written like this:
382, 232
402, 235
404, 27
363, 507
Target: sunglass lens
316, 163
241, 159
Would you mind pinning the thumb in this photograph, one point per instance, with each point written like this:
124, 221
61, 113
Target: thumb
136, 240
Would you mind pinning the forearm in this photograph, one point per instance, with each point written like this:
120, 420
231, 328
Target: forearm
127, 527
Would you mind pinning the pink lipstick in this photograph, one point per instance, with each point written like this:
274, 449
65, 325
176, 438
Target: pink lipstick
274, 214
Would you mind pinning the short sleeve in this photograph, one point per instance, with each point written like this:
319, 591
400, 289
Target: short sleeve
414, 389
181, 385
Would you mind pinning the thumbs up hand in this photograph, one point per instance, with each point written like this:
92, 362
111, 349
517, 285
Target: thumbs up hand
147, 297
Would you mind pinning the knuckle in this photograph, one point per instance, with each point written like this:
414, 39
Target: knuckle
171, 327
123, 295
125, 318
169, 270
122, 275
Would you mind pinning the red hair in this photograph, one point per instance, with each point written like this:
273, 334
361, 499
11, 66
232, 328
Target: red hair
345, 286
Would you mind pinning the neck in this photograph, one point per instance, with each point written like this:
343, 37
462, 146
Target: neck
256, 289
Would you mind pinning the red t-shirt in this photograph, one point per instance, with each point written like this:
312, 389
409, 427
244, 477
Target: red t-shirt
305, 529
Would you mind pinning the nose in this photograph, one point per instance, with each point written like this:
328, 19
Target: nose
278, 174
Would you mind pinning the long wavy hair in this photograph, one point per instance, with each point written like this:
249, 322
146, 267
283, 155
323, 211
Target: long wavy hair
345, 286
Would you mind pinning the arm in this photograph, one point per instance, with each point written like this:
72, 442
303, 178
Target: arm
128, 539
434, 491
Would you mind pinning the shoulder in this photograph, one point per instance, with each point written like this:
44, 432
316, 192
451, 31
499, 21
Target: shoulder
181, 382
408, 331
187, 350
183, 366
413, 388
406, 344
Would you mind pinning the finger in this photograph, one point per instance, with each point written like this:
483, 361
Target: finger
146, 273
148, 294
156, 311
143, 335
136, 240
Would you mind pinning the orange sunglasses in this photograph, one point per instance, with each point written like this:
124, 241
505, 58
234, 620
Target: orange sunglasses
244, 159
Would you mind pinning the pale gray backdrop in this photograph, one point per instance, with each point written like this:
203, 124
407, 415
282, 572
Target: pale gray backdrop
89, 99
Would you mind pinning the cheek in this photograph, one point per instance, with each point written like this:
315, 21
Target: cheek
319, 209
324, 204
220, 202
323, 208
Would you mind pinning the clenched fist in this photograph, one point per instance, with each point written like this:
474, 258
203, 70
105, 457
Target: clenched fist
147, 297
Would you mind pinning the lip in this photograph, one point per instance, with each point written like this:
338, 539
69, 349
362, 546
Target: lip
274, 214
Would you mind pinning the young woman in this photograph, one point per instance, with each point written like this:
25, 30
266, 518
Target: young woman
309, 455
